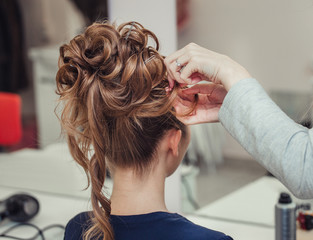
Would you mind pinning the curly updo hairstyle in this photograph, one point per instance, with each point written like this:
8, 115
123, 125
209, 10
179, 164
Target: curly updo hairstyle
115, 108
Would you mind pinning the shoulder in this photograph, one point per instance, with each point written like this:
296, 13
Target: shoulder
76, 227
182, 228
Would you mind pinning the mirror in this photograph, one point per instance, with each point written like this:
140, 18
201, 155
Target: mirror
274, 41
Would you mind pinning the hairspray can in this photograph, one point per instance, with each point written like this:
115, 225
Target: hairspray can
285, 218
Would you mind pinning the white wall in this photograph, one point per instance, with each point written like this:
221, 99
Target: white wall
159, 18
272, 39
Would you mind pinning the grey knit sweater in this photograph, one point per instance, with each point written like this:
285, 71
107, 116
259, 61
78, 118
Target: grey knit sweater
282, 146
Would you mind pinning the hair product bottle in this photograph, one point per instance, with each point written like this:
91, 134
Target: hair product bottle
285, 218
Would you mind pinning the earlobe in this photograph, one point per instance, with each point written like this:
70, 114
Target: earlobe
175, 138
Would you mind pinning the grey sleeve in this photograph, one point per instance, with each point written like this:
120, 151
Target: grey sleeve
270, 136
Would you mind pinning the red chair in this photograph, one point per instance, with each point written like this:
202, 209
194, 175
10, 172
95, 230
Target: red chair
10, 119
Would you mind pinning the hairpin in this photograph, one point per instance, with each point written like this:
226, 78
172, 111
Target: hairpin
130, 29
149, 59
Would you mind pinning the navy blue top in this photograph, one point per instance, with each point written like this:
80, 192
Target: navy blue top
151, 226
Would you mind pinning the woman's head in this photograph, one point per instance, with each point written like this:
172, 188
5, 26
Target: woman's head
113, 88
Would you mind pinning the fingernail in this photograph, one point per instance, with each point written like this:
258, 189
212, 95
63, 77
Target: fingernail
188, 80
170, 83
168, 90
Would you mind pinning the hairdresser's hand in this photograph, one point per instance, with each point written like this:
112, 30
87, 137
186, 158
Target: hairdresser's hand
210, 98
193, 63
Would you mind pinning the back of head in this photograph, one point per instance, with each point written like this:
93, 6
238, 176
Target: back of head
112, 85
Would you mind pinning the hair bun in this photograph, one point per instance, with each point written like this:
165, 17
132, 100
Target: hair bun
114, 59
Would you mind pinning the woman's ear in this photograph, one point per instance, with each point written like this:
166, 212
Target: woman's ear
174, 138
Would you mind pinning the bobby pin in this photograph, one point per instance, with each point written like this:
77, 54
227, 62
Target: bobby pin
130, 29
149, 59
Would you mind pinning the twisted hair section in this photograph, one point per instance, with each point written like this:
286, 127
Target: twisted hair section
115, 108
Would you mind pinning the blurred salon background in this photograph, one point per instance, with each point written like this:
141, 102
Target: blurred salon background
273, 39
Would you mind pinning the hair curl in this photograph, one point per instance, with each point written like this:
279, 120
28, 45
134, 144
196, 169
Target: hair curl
115, 106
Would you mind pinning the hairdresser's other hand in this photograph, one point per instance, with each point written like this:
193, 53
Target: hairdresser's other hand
193, 63
210, 98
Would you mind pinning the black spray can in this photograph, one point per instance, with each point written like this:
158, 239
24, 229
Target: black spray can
285, 218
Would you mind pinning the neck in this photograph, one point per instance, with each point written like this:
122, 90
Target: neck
134, 194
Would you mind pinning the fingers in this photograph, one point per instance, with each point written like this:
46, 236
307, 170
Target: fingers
171, 82
206, 88
193, 63
187, 71
201, 115
172, 68
188, 66
192, 120
172, 58
184, 72
176, 64
183, 59
206, 109
173, 75
208, 94
200, 88
197, 77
